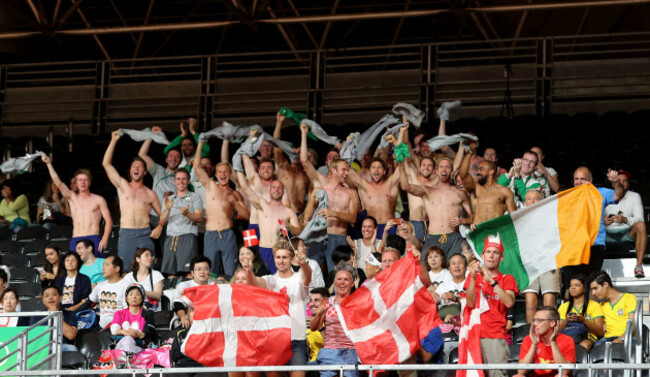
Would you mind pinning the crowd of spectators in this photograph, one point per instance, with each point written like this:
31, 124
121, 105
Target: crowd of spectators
319, 234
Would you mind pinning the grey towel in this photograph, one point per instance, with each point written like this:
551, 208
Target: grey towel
19, 163
413, 114
320, 133
443, 111
142, 135
285, 146
234, 134
383, 143
316, 228
440, 141
249, 147
357, 145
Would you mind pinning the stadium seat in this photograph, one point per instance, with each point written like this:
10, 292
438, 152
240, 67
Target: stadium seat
514, 353
63, 245
72, 360
164, 335
24, 274
28, 290
61, 233
162, 319
7, 247
597, 354
582, 355
6, 234
37, 260
646, 341
30, 233
164, 303
32, 305
520, 332
453, 356
15, 260
89, 345
35, 247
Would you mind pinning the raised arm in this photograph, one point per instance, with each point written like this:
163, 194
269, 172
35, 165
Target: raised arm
310, 207
413, 189
619, 191
463, 172
194, 126
308, 167
200, 172
355, 180
251, 174
252, 196
107, 163
65, 191
278, 155
143, 153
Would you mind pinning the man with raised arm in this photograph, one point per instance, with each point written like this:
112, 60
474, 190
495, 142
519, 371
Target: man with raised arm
491, 199
317, 178
379, 196
290, 173
342, 207
269, 212
221, 204
86, 209
444, 205
136, 201
163, 177
187, 141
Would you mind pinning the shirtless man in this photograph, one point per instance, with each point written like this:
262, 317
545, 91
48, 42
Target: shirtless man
444, 205
136, 201
342, 209
417, 209
221, 203
379, 196
490, 198
290, 173
86, 209
269, 212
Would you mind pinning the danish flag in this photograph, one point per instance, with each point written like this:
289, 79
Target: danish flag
283, 227
250, 238
238, 325
388, 316
469, 349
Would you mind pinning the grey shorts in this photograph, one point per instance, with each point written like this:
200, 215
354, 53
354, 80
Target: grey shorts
130, 241
178, 253
221, 247
450, 243
548, 282
495, 351
420, 229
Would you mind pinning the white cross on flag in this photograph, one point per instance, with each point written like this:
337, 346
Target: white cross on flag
238, 325
389, 315
250, 238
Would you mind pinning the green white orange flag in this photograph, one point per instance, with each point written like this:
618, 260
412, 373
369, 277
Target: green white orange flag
555, 232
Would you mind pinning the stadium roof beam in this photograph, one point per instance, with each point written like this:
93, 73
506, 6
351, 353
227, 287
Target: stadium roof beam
307, 19
304, 25
138, 44
328, 25
68, 13
95, 37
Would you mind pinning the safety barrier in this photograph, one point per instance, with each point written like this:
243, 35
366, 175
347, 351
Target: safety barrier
53, 320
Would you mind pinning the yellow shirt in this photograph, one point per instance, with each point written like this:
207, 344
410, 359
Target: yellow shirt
616, 315
593, 311
314, 343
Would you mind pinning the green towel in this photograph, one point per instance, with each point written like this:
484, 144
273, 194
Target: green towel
401, 152
296, 117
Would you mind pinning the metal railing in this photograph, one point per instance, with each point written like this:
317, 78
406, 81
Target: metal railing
54, 334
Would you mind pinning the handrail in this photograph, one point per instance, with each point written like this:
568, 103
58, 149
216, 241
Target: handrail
53, 322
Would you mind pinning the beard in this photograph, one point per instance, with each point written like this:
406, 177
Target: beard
482, 180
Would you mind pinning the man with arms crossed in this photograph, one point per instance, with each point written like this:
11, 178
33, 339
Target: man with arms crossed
86, 209
545, 345
221, 204
499, 290
136, 201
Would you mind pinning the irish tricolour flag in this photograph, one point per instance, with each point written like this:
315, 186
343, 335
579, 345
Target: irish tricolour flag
555, 232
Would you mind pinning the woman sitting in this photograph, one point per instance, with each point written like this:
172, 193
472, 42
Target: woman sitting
51, 209
151, 280
337, 347
9, 299
134, 323
14, 208
52, 261
437, 266
252, 253
581, 318
74, 286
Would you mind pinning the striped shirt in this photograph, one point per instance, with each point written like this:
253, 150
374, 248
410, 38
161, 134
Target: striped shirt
335, 336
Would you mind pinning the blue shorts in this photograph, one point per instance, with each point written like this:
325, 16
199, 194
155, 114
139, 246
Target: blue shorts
340, 356
380, 231
266, 254
298, 352
96, 239
622, 235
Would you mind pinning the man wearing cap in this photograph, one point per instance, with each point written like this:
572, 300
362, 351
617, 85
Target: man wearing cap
499, 291
625, 221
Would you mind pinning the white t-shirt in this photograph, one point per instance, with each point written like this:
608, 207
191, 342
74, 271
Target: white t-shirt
298, 299
146, 283
110, 298
363, 251
317, 280
450, 286
440, 277
68, 291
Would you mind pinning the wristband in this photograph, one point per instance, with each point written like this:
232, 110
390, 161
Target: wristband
494, 283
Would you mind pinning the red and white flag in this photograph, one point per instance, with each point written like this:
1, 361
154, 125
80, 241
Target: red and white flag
283, 228
250, 238
469, 349
389, 315
238, 325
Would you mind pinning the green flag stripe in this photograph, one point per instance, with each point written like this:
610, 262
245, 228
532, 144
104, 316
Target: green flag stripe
512, 263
